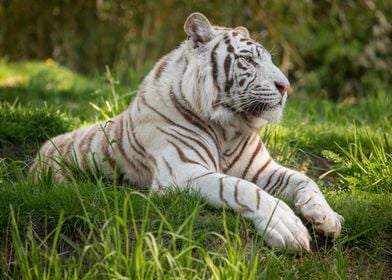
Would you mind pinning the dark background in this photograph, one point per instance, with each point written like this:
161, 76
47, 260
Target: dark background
334, 49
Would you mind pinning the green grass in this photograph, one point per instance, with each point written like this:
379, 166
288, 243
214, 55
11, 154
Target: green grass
37, 84
23, 129
89, 228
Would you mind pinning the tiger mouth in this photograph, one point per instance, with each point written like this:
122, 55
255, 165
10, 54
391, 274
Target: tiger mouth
256, 109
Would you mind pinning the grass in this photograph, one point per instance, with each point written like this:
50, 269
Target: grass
37, 84
89, 228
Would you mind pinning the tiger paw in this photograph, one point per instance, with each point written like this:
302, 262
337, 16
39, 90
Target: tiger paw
282, 229
315, 209
330, 225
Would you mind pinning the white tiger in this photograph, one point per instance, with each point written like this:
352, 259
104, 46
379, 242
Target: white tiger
195, 123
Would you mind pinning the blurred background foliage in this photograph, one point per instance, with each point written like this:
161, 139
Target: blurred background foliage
339, 50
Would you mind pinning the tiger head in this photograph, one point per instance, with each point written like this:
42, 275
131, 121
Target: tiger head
237, 77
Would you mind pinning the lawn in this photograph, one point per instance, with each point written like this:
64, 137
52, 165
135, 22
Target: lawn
89, 228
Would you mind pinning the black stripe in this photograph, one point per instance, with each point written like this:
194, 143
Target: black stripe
224, 136
182, 156
161, 66
201, 144
269, 178
203, 175
278, 182
283, 186
132, 131
68, 147
169, 120
236, 197
229, 166
214, 64
239, 64
180, 84
185, 143
183, 96
140, 153
216, 103
247, 86
255, 152
261, 169
258, 198
299, 183
85, 147
227, 67
221, 191
229, 154
194, 119
168, 167
127, 159
85, 144
246, 51
144, 153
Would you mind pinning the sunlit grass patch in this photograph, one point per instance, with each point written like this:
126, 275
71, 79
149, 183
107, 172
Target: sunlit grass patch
23, 129
36, 84
360, 168
47, 75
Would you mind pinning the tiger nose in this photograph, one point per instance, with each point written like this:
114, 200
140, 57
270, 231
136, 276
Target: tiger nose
282, 86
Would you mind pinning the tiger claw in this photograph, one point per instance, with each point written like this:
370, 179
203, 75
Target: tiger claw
327, 225
331, 227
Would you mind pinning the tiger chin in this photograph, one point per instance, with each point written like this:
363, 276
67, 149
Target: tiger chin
195, 124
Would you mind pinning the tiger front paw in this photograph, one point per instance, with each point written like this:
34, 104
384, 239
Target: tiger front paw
282, 229
315, 209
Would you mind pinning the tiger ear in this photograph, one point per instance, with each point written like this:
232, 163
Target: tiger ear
198, 28
243, 31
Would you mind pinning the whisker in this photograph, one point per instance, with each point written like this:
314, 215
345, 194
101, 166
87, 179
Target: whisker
242, 99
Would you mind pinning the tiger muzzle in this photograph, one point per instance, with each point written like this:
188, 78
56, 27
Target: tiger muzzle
257, 108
